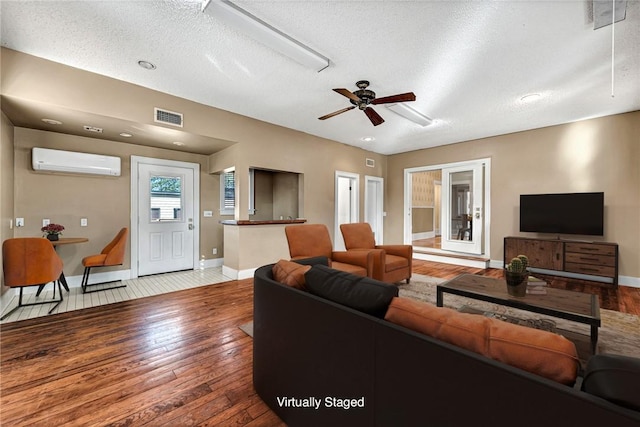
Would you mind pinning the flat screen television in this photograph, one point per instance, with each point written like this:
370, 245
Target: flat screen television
567, 213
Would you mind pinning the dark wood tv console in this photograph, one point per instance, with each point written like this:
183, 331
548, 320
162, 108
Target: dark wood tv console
572, 256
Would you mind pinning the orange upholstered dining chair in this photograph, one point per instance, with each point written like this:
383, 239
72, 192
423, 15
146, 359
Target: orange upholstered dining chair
112, 254
313, 240
31, 261
391, 263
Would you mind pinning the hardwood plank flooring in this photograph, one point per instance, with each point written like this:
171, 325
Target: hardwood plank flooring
176, 359
171, 359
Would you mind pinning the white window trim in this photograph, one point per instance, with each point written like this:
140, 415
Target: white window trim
224, 210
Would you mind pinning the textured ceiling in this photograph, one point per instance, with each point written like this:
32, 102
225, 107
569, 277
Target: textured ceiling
469, 63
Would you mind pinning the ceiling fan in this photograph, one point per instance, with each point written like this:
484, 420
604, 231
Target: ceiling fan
363, 98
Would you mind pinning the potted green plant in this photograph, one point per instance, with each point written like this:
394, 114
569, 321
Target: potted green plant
52, 231
516, 274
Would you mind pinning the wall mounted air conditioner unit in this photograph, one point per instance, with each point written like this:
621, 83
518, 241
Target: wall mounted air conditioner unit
45, 159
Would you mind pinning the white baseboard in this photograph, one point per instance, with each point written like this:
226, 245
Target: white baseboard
423, 235
213, 263
633, 282
234, 274
444, 259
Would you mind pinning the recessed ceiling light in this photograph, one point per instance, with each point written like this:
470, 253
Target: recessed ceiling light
146, 65
52, 122
367, 138
530, 97
178, 143
126, 135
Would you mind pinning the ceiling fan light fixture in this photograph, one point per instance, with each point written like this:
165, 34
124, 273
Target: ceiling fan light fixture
265, 33
411, 114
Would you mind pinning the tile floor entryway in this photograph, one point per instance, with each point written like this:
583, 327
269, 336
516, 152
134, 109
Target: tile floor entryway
136, 288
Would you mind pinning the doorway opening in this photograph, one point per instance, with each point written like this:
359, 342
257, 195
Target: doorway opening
447, 208
347, 197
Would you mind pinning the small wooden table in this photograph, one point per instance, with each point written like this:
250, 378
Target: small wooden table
56, 243
569, 305
68, 241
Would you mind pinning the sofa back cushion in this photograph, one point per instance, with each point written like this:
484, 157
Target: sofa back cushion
308, 240
290, 273
358, 235
360, 293
540, 352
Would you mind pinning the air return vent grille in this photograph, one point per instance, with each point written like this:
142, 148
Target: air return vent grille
167, 117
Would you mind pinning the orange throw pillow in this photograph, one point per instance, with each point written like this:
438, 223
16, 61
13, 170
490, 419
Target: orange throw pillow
290, 273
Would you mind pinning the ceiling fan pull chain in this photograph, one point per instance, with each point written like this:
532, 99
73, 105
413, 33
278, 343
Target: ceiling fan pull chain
613, 44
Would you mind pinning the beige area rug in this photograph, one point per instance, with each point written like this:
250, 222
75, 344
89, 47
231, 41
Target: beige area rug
619, 333
247, 328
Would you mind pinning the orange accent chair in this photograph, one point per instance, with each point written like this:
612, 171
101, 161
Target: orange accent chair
313, 240
391, 263
112, 254
31, 261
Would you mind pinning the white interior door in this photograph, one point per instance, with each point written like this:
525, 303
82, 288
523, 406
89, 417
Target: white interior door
463, 208
166, 225
374, 205
347, 202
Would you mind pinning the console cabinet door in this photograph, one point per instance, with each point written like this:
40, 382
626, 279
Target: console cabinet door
546, 254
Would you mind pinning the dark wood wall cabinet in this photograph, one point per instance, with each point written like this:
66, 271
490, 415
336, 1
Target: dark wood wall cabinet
595, 259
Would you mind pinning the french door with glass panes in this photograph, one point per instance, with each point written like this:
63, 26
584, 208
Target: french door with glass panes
463, 208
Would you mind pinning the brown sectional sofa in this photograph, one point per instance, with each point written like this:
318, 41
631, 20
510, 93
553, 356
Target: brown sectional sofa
325, 355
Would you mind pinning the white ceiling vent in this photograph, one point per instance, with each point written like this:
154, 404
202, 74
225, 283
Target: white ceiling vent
167, 117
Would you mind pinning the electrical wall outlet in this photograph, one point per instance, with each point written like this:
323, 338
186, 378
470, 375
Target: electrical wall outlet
83, 222
19, 222
215, 251
45, 222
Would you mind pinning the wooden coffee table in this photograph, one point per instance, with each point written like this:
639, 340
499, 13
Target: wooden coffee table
569, 305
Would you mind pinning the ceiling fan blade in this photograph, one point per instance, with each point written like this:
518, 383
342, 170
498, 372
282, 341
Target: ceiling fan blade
348, 94
373, 116
402, 97
335, 113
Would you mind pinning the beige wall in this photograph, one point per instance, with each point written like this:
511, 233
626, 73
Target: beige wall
421, 220
6, 184
317, 159
593, 155
104, 201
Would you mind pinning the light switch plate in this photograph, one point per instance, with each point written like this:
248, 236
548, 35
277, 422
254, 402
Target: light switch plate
208, 213
45, 222
83, 222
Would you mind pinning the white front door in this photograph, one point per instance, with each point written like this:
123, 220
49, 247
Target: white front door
166, 218
374, 205
347, 199
463, 208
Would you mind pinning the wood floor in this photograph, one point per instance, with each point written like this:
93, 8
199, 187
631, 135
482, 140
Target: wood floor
175, 359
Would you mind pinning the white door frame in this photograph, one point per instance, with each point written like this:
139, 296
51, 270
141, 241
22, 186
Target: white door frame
487, 197
135, 162
338, 241
378, 228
